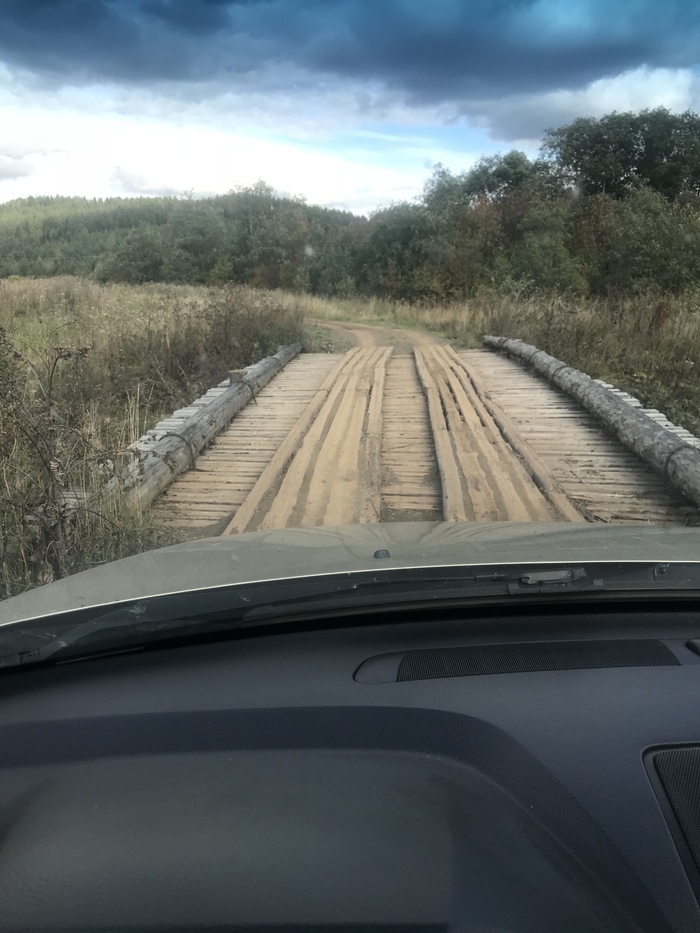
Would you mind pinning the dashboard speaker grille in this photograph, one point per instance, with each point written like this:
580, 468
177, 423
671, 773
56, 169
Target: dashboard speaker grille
679, 773
429, 663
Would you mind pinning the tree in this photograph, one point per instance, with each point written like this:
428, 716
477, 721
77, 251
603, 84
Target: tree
624, 151
139, 259
394, 252
657, 243
498, 174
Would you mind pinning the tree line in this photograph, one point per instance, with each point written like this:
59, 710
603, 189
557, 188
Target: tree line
609, 206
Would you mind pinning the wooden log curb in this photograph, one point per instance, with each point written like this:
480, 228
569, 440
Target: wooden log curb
161, 457
658, 446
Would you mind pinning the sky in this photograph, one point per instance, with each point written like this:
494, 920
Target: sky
350, 103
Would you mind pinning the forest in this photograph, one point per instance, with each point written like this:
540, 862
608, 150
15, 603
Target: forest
609, 207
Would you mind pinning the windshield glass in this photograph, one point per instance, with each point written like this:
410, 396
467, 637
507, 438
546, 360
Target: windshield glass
298, 265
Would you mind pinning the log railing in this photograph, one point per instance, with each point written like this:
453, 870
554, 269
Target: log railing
658, 446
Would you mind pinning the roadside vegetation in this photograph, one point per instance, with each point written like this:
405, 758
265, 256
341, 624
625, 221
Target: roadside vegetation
114, 312
85, 369
611, 207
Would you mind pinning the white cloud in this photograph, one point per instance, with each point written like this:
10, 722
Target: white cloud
98, 157
132, 184
98, 142
678, 89
12, 166
522, 119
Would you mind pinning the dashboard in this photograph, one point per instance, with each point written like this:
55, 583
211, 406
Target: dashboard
490, 772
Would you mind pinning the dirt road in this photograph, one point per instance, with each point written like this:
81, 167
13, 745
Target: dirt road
402, 339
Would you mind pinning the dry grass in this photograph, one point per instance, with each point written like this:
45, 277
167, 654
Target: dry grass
85, 369
148, 349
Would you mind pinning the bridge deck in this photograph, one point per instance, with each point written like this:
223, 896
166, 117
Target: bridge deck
438, 434
205, 498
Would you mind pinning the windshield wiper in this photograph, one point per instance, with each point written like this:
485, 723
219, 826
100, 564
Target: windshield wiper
443, 591
162, 616
130, 626
541, 581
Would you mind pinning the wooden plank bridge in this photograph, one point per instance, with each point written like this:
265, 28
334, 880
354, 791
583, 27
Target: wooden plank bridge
379, 434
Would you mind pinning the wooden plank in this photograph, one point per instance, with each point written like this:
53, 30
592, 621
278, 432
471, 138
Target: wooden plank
411, 489
514, 496
323, 435
371, 503
407, 449
410, 503
537, 468
225, 473
475, 486
582, 457
175, 454
275, 468
660, 448
337, 451
453, 506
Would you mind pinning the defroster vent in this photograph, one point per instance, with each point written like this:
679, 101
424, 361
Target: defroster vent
429, 663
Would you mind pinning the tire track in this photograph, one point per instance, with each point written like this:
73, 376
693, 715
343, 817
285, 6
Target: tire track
482, 477
326, 472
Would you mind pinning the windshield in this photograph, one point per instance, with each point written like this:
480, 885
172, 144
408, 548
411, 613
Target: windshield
271, 265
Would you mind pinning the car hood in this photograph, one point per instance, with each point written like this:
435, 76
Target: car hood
289, 553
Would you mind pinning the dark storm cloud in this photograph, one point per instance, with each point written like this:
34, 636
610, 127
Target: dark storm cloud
426, 50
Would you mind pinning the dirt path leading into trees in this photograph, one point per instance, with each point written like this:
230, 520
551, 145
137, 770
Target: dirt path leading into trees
402, 339
404, 428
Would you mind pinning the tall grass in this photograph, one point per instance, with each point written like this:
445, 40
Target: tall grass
85, 369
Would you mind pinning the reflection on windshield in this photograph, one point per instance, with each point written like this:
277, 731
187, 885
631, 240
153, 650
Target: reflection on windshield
341, 265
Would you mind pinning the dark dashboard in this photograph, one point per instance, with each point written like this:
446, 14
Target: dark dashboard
514, 772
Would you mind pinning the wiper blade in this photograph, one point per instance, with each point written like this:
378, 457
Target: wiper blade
131, 618
465, 589
134, 624
558, 578
162, 616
